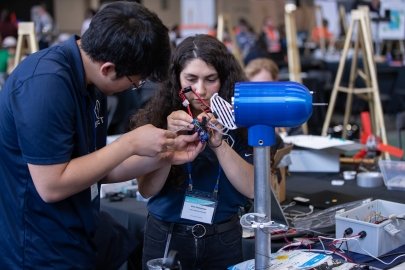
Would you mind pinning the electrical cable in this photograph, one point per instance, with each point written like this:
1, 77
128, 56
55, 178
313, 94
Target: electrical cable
299, 213
356, 239
201, 128
325, 218
376, 258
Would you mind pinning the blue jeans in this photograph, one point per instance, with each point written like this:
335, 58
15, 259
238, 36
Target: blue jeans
210, 252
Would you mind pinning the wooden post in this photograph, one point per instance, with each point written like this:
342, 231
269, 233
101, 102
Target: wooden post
294, 63
342, 19
25, 30
370, 93
223, 22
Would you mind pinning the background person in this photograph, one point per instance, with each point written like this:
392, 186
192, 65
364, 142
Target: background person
43, 25
245, 36
8, 24
221, 175
321, 35
270, 35
261, 70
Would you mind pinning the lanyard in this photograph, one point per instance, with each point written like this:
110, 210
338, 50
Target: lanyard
190, 179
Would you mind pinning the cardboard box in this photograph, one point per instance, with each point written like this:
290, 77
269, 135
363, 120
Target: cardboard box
318, 153
304, 160
278, 174
278, 183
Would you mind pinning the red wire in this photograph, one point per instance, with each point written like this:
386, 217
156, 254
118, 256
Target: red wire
183, 98
208, 109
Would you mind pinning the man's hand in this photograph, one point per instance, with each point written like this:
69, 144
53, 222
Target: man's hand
186, 149
149, 140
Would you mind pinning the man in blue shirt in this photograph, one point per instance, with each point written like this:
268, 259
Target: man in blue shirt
53, 155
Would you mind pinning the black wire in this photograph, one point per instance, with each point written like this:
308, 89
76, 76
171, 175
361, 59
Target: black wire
341, 243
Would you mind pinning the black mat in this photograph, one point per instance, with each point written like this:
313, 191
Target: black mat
325, 199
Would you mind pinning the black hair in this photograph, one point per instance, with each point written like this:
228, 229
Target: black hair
130, 36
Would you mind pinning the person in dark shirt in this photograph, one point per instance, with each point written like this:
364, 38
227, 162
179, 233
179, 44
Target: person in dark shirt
53, 152
207, 193
8, 24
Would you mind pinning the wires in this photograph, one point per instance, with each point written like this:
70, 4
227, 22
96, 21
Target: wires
330, 250
374, 257
340, 246
182, 95
294, 214
184, 101
205, 127
324, 218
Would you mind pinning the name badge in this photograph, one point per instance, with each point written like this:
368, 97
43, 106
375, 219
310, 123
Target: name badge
94, 191
199, 207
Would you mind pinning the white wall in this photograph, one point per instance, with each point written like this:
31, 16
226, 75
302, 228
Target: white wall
70, 14
169, 14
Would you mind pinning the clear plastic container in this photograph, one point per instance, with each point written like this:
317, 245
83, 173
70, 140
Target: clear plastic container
155, 264
161, 264
393, 173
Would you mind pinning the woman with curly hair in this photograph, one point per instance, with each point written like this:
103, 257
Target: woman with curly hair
193, 208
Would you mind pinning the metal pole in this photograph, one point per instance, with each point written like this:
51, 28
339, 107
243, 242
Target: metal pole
262, 205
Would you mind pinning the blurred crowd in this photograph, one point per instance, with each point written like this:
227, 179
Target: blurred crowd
46, 33
268, 42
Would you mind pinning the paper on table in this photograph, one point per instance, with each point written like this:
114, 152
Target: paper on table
316, 142
296, 259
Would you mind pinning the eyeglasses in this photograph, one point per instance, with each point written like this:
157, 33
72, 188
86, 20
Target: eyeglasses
134, 86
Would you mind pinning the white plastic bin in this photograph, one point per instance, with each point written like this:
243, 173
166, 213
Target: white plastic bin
377, 219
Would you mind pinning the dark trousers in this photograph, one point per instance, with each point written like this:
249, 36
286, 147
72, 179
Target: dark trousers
115, 245
210, 252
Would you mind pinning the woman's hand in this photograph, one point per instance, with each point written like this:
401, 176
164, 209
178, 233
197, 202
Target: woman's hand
213, 127
179, 121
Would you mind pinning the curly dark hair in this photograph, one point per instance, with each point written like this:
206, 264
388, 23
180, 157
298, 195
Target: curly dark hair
166, 99
130, 36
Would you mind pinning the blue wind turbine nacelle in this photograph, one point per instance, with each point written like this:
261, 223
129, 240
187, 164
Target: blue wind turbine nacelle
262, 106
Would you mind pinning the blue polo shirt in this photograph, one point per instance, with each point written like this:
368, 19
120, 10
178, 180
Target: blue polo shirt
47, 116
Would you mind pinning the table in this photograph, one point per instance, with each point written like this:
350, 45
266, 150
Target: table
308, 183
132, 213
